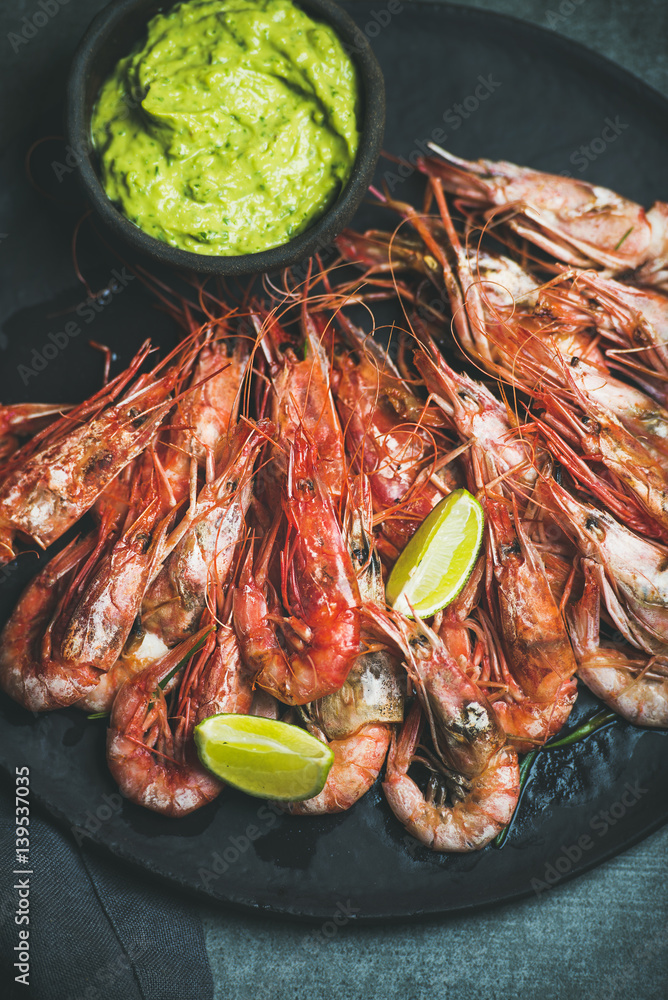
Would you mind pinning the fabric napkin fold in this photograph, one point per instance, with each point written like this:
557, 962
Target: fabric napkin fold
99, 929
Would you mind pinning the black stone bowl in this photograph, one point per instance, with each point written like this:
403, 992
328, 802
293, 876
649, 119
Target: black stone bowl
112, 34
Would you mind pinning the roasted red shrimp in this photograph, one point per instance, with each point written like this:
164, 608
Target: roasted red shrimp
198, 555
542, 364
477, 416
174, 602
105, 605
544, 357
300, 394
206, 415
455, 624
150, 748
639, 316
225, 683
94, 613
470, 822
22, 658
634, 569
66, 467
602, 437
108, 612
375, 688
576, 222
537, 666
633, 684
357, 763
390, 434
480, 286
471, 760
321, 627
357, 719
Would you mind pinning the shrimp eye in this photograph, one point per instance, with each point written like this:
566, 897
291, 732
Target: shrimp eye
361, 555
137, 627
306, 485
354, 357
231, 486
338, 349
144, 541
137, 417
575, 361
98, 462
511, 550
463, 395
593, 425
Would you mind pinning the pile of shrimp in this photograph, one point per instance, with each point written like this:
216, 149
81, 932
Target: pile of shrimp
237, 507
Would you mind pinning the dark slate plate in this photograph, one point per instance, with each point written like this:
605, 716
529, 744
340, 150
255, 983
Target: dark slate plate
523, 94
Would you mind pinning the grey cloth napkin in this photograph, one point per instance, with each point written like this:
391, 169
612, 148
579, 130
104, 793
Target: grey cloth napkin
99, 930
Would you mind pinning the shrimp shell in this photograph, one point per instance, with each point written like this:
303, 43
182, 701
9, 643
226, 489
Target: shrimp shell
357, 763
151, 755
43, 497
472, 821
632, 684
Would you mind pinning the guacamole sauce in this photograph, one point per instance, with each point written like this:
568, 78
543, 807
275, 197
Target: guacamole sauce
232, 127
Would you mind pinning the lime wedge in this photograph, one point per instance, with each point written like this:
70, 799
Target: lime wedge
263, 757
439, 558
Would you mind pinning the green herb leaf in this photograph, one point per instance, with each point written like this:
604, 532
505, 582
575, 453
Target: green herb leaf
525, 769
627, 233
172, 673
599, 721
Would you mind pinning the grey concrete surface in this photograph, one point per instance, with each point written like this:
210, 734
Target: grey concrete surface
601, 936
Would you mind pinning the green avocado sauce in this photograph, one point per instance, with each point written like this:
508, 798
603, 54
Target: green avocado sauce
232, 128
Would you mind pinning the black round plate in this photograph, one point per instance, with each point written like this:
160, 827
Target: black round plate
497, 88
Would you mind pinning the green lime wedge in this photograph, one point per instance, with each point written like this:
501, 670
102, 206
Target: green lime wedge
439, 558
263, 757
